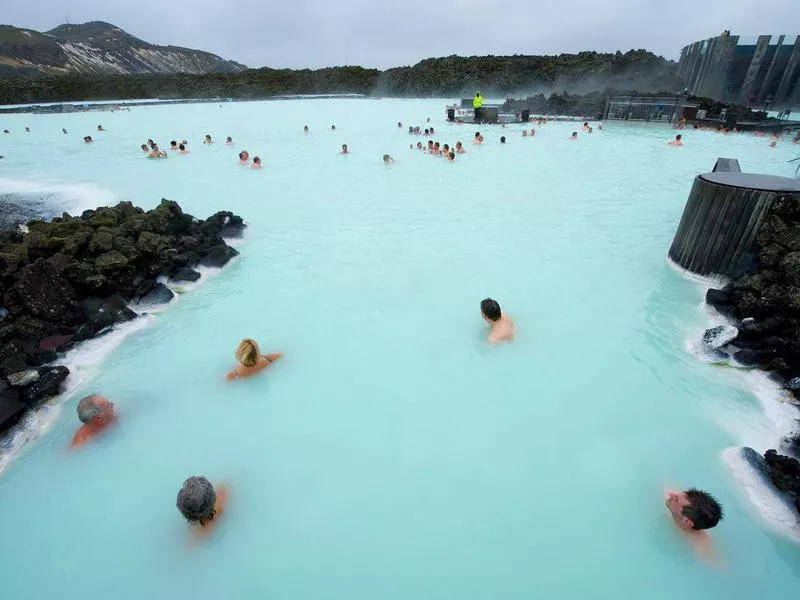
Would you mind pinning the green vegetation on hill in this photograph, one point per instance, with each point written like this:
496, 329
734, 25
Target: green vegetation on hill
452, 76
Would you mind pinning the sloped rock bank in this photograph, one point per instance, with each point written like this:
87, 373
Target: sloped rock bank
764, 307
71, 279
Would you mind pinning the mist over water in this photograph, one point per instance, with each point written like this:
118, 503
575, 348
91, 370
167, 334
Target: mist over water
392, 453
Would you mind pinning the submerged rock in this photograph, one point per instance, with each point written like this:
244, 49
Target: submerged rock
158, 294
186, 274
716, 337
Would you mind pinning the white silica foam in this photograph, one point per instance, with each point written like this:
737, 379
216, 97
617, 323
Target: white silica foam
70, 197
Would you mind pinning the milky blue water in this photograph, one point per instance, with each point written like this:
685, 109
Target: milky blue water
393, 454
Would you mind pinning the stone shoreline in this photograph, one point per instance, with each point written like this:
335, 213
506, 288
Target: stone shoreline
764, 308
71, 279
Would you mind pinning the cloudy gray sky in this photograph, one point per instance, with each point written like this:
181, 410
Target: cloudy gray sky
375, 33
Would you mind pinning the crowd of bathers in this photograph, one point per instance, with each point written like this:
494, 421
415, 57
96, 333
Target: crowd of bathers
201, 503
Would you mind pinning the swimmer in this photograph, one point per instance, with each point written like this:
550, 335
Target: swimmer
256, 163
251, 360
184, 142
333, 127
63, 130
796, 139
446, 149
27, 129
7, 131
502, 139
145, 148
585, 126
229, 141
431, 130
437, 151
97, 414
156, 153
410, 130
600, 126
524, 133
693, 512
676, 142
478, 138
419, 146
100, 128
182, 149
201, 504
173, 145
451, 156
430, 146
533, 132
87, 139
208, 140
244, 158
427, 132
150, 143
387, 160
501, 328
305, 129
344, 149
773, 143
590, 129
399, 125
460, 148
574, 135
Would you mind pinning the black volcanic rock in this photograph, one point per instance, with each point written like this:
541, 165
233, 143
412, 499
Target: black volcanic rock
72, 278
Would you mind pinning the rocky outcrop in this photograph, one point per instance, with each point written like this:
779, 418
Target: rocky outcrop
73, 278
764, 307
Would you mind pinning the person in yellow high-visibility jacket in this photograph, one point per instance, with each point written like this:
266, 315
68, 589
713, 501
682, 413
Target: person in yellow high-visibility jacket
477, 102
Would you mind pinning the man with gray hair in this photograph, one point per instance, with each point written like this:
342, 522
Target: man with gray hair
96, 413
200, 503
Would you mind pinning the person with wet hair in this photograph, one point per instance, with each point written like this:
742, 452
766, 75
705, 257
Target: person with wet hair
502, 139
501, 328
256, 163
63, 130
460, 148
96, 413
173, 145
182, 149
200, 504
344, 149
305, 129
244, 158
251, 361
208, 139
229, 141
677, 141
387, 159
87, 139
478, 138
694, 512
574, 136
145, 148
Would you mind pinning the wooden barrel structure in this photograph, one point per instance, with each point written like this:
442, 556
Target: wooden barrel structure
721, 218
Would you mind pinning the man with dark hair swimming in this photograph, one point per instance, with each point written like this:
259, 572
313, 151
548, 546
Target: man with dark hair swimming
694, 512
501, 328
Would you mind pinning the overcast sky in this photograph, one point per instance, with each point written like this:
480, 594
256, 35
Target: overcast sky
375, 33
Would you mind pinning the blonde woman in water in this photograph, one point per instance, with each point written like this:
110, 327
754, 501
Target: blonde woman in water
251, 360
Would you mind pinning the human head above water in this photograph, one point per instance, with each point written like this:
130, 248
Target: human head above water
678, 137
173, 144
694, 509
181, 147
490, 309
95, 409
477, 134
144, 147
502, 139
196, 500
208, 137
248, 352
574, 134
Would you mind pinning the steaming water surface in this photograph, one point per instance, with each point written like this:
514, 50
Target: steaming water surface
392, 454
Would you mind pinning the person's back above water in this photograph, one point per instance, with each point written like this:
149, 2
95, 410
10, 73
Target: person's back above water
200, 504
251, 361
501, 328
